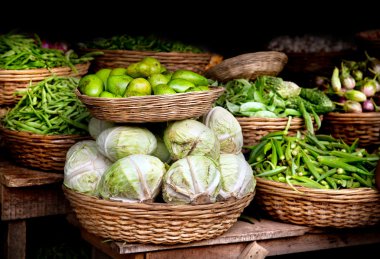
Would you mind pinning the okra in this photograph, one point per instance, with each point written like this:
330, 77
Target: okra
338, 163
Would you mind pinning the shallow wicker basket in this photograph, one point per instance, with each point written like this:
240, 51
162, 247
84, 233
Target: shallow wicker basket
248, 66
152, 108
350, 126
158, 223
197, 62
346, 208
255, 128
12, 81
45, 152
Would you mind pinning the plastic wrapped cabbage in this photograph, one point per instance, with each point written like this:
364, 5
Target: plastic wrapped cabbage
84, 167
121, 141
237, 177
135, 178
192, 180
96, 126
161, 151
226, 128
190, 137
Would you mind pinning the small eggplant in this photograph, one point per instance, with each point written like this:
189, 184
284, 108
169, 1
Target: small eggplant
335, 80
368, 106
352, 106
369, 88
355, 95
349, 82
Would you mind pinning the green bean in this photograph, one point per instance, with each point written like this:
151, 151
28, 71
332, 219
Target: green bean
275, 171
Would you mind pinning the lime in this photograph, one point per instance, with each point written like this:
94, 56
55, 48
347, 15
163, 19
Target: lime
191, 76
180, 85
118, 71
103, 74
117, 84
91, 85
157, 79
107, 95
138, 87
163, 89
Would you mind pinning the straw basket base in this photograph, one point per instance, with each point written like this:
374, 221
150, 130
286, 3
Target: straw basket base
157, 223
12, 81
45, 152
152, 108
350, 126
346, 208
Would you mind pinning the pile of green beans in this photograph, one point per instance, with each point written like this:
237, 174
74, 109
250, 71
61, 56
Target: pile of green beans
18, 52
51, 108
313, 161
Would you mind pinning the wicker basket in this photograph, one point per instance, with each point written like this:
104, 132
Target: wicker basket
350, 126
158, 223
346, 208
197, 62
152, 108
45, 152
248, 66
12, 81
254, 128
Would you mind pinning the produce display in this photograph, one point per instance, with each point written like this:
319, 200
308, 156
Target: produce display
140, 43
272, 97
354, 85
314, 161
22, 52
50, 107
184, 161
145, 77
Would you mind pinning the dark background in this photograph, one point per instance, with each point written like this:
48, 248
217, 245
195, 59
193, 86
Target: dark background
229, 29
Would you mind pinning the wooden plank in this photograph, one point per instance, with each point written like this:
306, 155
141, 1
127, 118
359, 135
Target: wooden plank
16, 240
12, 175
313, 242
239, 232
28, 202
253, 250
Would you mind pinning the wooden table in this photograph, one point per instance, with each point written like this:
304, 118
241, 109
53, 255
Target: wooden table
263, 238
26, 194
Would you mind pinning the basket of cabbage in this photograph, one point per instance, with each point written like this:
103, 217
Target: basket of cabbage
184, 185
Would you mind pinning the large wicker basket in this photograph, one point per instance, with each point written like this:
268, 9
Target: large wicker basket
248, 66
12, 81
255, 128
197, 62
45, 152
158, 223
152, 108
350, 126
346, 208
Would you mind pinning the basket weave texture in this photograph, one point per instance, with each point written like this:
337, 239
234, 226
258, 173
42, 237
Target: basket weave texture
248, 66
152, 108
12, 81
197, 62
45, 152
350, 126
157, 223
255, 128
346, 208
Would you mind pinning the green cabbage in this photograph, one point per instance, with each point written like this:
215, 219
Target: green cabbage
191, 180
121, 141
237, 177
96, 126
190, 137
226, 128
135, 178
84, 167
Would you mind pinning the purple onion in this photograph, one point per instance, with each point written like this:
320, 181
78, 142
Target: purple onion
368, 106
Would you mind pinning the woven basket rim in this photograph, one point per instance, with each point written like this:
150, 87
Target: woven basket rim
27, 134
353, 115
5, 72
154, 206
148, 98
260, 119
315, 192
145, 52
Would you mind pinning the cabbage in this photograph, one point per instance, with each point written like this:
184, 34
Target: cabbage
161, 151
191, 180
190, 137
96, 126
121, 141
226, 128
84, 167
135, 178
237, 177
